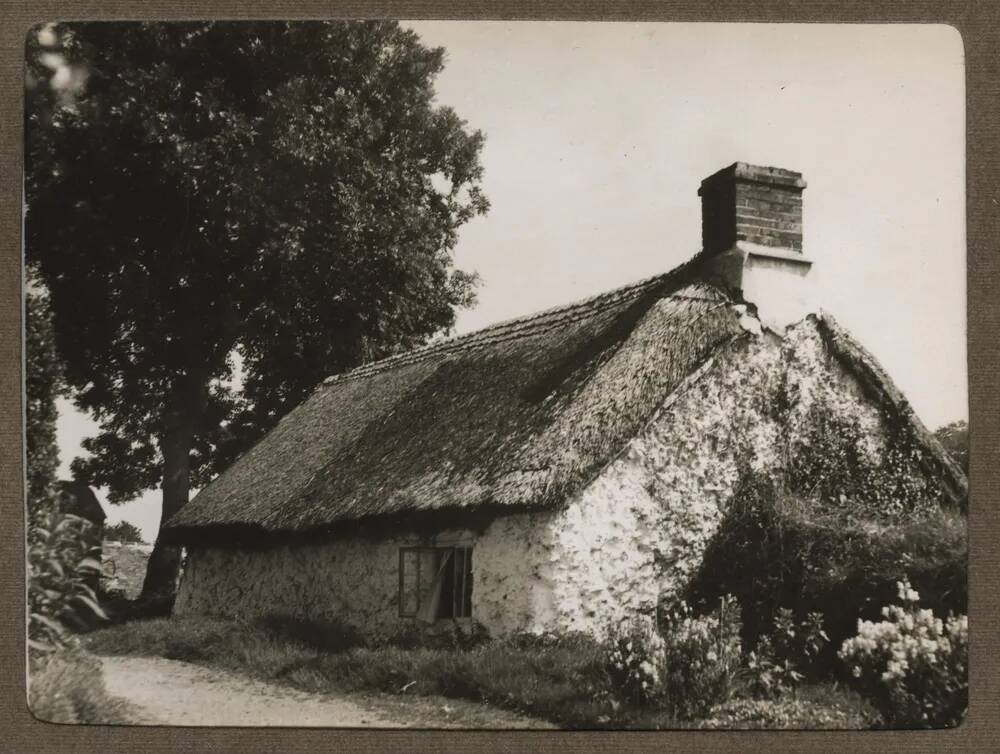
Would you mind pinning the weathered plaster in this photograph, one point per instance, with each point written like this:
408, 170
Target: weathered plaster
626, 542
357, 580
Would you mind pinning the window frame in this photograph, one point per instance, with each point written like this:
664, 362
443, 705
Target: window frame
461, 587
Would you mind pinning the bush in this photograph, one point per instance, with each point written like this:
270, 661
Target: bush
913, 666
777, 662
636, 660
701, 658
66, 687
774, 549
61, 563
686, 666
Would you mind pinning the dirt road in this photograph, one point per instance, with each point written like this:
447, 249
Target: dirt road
169, 692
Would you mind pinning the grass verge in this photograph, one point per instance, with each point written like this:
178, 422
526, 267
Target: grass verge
559, 679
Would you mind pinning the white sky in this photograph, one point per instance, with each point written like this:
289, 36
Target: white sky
598, 135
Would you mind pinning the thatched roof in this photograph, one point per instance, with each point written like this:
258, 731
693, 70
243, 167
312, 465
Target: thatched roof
518, 414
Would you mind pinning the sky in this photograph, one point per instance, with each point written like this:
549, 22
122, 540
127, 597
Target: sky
599, 134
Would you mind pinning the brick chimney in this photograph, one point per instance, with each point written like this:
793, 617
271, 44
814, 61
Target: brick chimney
751, 226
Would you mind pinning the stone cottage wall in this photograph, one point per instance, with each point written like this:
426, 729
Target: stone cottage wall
630, 539
357, 580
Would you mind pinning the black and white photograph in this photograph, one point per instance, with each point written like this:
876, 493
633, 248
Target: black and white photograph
496, 375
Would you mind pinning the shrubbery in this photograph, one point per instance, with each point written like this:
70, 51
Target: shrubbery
64, 683
60, 565
913, 666
636, 661
702, 658
778, 662
773, 550
686, 666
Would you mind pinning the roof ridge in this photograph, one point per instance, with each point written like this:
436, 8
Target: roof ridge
535, 321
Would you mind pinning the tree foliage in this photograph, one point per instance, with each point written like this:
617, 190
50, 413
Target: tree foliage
282, 196
123, 532
955, 439
43, 384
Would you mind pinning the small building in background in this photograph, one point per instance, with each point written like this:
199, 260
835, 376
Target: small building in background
78, 499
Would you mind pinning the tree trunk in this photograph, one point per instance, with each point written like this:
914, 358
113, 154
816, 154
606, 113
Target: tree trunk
164, 563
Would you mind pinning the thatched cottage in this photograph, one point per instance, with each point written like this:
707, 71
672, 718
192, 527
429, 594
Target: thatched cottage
557, 471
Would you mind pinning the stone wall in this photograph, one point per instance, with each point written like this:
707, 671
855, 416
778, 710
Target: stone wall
357, 580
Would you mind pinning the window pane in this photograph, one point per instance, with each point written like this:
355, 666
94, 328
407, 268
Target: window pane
408, 582
458, 593
429, 560
467, 576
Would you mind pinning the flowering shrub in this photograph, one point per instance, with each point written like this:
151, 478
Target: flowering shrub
913, 666
701, 657
688, 665
634, 661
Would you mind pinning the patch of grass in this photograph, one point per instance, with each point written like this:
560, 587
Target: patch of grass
817, 707
192, 640
67, 687
322, 635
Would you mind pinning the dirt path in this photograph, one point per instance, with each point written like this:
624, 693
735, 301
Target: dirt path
170, 692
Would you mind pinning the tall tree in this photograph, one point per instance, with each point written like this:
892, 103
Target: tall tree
43, 384
284, 193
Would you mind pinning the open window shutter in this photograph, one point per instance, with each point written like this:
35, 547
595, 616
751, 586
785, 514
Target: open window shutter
429, 607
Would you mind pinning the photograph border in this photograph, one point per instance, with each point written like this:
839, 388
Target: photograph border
979, 27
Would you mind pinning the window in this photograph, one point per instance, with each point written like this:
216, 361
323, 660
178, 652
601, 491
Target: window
435, 582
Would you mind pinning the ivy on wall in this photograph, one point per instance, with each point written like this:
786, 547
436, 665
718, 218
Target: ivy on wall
837, 463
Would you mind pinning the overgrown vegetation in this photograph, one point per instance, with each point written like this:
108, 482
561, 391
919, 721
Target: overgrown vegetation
837, 466
774, 550
955, 439
43, 384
